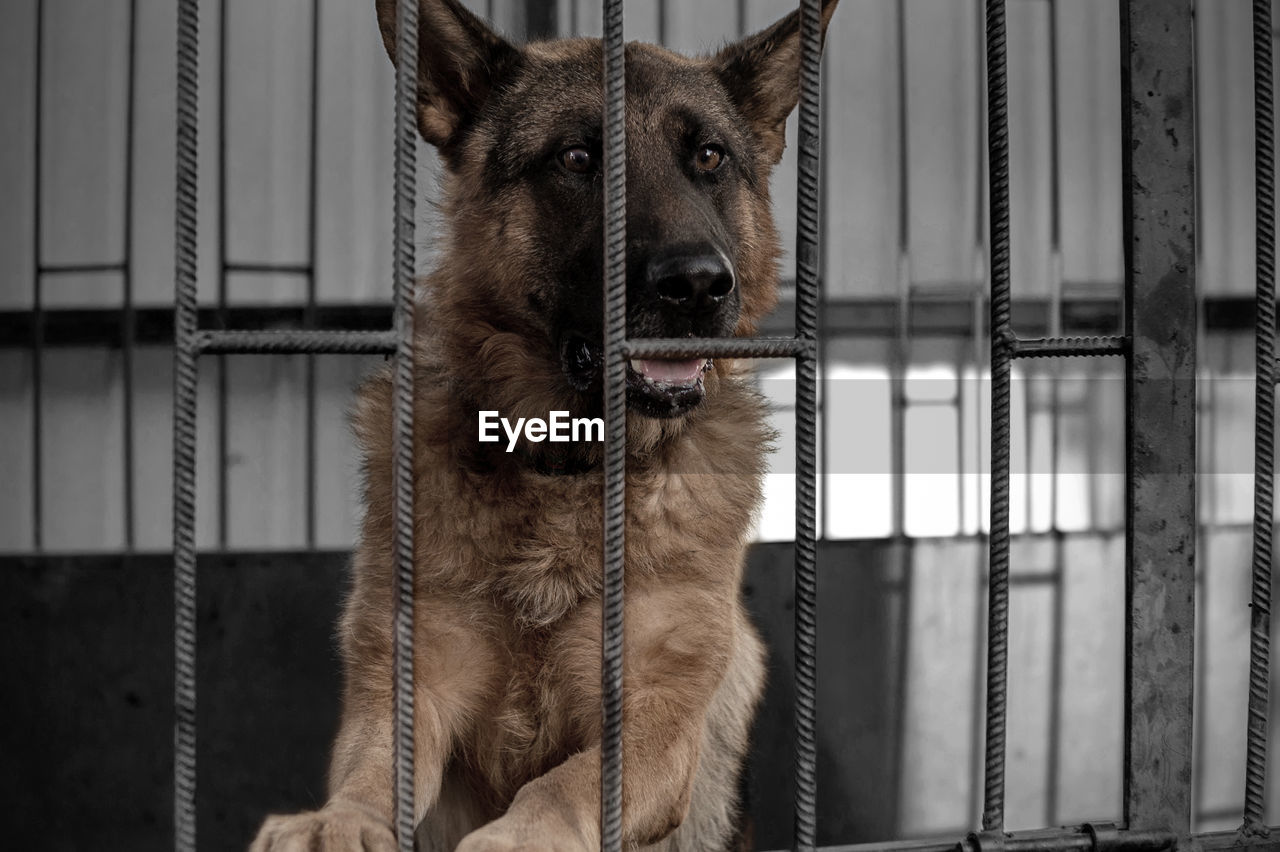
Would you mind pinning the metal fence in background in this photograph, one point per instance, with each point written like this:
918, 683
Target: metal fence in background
190, 342
1159, 345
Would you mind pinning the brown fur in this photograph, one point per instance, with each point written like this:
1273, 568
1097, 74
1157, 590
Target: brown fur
508, 559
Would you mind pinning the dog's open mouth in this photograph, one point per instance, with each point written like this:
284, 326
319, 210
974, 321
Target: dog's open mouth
661, 388
656, 387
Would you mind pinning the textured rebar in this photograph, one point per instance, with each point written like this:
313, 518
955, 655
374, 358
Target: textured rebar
297, 342
1001, 354
806, 572
1264, 414
1063, 347
718, 347
615, 420
184, 434
406, 140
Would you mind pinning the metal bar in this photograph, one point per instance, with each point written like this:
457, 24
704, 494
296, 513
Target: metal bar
719, 347
249, 268
1265, 425
128, 325
309, 313
184, 431
841, 318
224, 497
402, 518
37, 299
1001, 368
808, 258
1045, 840
297, 342
1157, 39
87, 268
1059, 347
615, 419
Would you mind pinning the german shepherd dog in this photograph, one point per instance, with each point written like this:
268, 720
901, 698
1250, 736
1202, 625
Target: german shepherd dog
508, 544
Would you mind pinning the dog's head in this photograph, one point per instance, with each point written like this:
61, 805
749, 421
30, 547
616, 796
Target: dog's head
520, 130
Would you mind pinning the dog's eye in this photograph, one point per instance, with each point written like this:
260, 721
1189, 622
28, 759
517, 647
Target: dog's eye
709, 158
578, 160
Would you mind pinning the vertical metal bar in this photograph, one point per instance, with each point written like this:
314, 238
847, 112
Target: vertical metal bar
406, 137
662, 22
1001, 338
742, 18
128, 330
807, 294
184, 433
615, 418
1058, 642
1160, 320
902, 551
37, 300
1264, 414
309, 314
224, 217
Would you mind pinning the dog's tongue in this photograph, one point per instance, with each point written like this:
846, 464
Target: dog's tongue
670, 372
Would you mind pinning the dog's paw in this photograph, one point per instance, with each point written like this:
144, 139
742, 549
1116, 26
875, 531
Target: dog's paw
334, 828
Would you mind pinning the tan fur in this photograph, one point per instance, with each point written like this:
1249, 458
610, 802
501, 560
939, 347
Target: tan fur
508, 560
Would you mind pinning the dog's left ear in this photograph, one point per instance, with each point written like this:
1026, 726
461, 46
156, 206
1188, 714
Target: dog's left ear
459, 62
762, 74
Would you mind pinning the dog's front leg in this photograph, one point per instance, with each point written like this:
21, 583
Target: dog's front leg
676, 653
450, 665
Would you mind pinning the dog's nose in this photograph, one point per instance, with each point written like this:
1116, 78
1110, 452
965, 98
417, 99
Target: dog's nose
691, 280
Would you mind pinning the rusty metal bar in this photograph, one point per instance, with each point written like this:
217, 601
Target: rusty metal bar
1059, 347
1001, 434
614, 525
184, 431
1157, 95
808, 260
402, 520
719, 347
1264, 426
296, 342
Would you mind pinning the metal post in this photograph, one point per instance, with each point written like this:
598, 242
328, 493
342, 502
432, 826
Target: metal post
1156, 47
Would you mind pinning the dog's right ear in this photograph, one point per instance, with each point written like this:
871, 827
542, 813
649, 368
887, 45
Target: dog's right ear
459, 61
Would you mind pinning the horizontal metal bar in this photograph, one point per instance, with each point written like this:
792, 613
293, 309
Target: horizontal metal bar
719, 347
860, 317
296, 342
1046, 840
268, 268
104, 327
1233, 840
1055, 347
80, 268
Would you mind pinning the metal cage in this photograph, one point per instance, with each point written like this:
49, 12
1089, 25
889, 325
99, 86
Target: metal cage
1158, 345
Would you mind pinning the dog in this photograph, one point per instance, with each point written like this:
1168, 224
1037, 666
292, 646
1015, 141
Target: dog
508, 544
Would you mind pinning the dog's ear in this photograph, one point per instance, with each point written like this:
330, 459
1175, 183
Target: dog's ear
762, 74
459, 61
